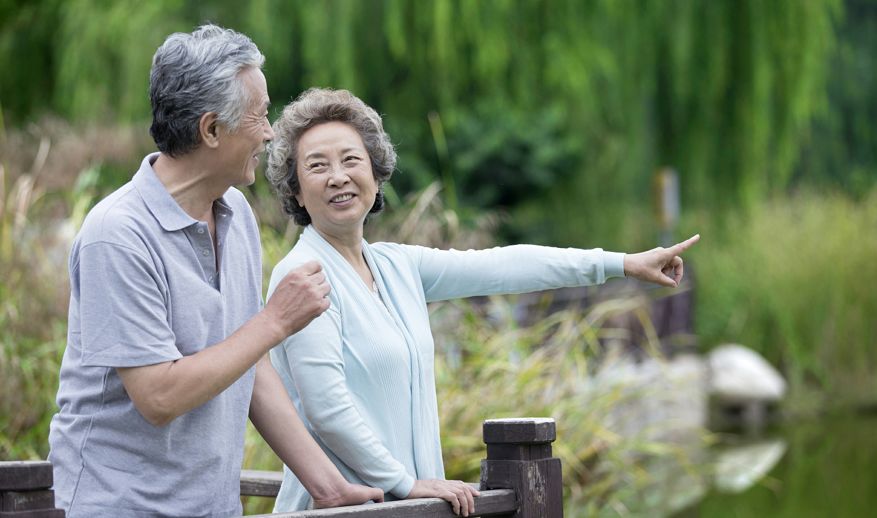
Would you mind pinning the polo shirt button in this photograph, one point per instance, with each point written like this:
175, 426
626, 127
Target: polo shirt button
205, 252
200, 230
210, 278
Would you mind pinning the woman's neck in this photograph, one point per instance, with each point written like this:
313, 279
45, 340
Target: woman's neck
348, 244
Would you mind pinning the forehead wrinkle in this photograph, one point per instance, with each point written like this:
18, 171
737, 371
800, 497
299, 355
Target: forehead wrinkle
323, 145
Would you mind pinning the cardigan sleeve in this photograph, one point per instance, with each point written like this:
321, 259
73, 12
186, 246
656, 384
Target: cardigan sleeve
448, 274
316, 362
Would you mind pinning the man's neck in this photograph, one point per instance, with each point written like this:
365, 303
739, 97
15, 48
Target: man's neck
191, 184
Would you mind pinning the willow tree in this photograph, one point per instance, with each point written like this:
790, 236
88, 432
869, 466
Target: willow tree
558, 110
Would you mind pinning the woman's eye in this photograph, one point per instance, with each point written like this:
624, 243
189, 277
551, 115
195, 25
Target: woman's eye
351, 158
316, 166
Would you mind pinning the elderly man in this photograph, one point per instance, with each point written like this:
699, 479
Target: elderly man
167, 332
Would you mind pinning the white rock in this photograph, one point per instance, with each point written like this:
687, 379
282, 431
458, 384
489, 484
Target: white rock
741, 374
737, 469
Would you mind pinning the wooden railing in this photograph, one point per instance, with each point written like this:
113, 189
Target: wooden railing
519, 478
25, 490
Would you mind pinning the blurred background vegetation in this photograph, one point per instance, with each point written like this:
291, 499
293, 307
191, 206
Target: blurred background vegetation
536, 121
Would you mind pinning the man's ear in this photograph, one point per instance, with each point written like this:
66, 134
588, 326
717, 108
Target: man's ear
208, 127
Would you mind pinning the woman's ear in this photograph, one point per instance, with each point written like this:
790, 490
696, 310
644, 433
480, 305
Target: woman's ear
208, 127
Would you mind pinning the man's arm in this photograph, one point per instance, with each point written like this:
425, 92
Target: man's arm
164, 391
274, 415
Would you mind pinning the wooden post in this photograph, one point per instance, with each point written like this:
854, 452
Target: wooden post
519, 458
25, 490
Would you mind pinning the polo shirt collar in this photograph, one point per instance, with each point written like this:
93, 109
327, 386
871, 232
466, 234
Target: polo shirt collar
160, 203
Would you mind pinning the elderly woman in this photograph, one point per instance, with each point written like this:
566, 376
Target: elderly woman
361, 374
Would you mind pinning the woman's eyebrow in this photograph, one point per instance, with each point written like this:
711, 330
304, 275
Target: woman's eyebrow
314, 154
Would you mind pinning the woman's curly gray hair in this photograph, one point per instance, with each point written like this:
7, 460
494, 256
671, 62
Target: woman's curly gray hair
316, 106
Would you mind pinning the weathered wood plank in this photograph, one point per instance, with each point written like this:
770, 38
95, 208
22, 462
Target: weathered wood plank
537, 481
35, 513
497, 503
519, 458
25, 475
519, 430
27, 500
260, 483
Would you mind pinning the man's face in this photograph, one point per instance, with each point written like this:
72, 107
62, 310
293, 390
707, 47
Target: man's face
241, 149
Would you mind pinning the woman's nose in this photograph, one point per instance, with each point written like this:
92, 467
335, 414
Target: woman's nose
337, 175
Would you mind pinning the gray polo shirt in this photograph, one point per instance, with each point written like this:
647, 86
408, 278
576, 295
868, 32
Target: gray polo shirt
144, 290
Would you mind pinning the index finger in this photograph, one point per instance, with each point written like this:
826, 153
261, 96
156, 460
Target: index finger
310, 268
678, 248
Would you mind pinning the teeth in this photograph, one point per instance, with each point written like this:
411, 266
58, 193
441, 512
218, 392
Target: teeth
342, 197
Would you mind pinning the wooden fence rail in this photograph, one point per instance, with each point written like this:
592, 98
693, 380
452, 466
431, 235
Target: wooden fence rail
519, 478
25, 490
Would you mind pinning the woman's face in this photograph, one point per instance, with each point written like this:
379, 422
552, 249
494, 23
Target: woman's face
337, 185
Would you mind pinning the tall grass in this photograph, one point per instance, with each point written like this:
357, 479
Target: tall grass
796, 279
49, 178
32, 308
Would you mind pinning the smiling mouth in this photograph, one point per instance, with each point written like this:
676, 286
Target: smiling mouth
341, 197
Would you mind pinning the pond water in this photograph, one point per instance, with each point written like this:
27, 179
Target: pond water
819, 468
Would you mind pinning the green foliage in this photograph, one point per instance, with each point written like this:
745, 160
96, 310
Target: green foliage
843, 148
33, 299
726, 91
501, 158
794, 279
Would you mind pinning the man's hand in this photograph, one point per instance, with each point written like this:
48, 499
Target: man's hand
299, 298
659, 265
460, 494
352, 494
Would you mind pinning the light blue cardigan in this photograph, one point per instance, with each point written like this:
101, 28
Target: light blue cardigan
361, 374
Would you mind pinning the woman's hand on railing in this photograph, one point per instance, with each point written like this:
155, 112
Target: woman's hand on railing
351, 494
459, 494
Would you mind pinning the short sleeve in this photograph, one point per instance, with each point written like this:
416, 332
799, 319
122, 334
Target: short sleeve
124, 314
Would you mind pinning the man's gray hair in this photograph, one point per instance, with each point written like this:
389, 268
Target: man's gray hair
193, 74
